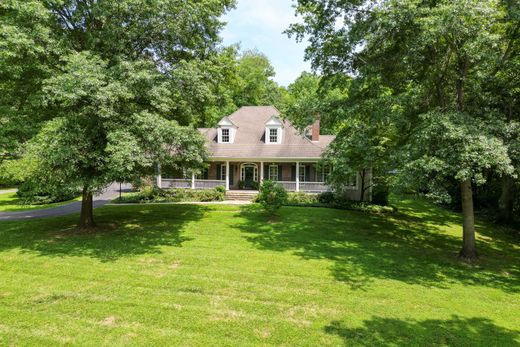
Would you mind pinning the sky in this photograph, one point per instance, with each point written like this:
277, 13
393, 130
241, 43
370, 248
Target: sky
260, 24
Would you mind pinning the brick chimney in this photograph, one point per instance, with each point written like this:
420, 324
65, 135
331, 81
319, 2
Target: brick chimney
315, 130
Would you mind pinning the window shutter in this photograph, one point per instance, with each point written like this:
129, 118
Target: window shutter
266, 172
293, 172
280, 177
307, 173
231, 173
219, 167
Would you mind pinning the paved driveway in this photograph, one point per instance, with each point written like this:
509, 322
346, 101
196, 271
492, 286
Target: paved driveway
99, 200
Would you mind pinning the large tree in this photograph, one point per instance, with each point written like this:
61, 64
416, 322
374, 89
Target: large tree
432, 59
255, 86
114, 76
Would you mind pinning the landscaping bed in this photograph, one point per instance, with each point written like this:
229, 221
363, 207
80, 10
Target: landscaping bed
156, 195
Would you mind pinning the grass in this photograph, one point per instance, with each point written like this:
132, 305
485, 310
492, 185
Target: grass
221, 275
9, 202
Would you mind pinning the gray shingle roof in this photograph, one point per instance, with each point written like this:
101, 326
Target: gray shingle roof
250, 138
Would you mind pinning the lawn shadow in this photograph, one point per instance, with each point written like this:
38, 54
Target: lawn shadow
363, 247
456, 331
124, 231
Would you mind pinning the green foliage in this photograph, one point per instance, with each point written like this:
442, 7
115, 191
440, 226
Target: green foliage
271, 196
255, 86
309, 97
302, 198
109, 127
153, 194
339, 201
15, 171
433, 87
30, 192
448, 146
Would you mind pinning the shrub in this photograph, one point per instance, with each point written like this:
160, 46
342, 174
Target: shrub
30, 193
221, 189
271, 196
153, 194
326, 197
302, 198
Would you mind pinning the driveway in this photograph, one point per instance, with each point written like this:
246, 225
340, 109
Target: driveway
99, 200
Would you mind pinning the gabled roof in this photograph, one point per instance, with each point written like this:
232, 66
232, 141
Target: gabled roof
250, 137
226, 122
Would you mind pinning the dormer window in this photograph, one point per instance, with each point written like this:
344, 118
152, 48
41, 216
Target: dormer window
273, 135
273, 130
226, 131
225, 135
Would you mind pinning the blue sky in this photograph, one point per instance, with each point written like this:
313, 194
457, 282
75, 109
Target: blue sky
259, 24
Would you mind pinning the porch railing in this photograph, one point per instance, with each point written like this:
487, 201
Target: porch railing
313, 187
308, 187
288, 185
208, 184
175, 183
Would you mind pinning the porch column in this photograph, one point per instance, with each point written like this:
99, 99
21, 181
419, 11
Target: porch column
192, 180
159, 177
227, 175
297, 176
261, 171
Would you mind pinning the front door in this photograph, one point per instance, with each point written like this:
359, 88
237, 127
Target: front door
249, 177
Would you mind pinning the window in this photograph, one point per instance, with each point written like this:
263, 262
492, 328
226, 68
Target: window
302, 173
273, 172
223, 172
324, 173
273, 135
225, 135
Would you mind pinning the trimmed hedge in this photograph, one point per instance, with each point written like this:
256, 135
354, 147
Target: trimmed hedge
154, 194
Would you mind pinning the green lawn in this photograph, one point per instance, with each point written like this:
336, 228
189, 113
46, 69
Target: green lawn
9, 202
217, 275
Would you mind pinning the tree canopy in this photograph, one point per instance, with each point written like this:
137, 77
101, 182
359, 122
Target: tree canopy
109, 84
422, 67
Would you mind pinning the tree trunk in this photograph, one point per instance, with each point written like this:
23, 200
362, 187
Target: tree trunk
362, 195
505, 203
86, 219
469, 248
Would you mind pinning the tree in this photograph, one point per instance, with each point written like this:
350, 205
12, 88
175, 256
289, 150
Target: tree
28, 53
118, 72
255, 84
360, 149
433, 58
309, 97
109, 128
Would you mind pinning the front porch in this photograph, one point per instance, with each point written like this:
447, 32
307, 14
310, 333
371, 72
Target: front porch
294, 176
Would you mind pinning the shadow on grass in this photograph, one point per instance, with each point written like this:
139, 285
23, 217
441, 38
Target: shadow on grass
124, 231
362, 247
432, 332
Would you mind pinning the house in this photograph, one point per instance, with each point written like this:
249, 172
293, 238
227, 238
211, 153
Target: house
254, 144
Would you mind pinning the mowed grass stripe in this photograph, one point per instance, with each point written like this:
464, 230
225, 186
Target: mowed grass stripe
233, 276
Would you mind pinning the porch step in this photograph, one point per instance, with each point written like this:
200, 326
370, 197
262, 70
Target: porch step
242, 195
